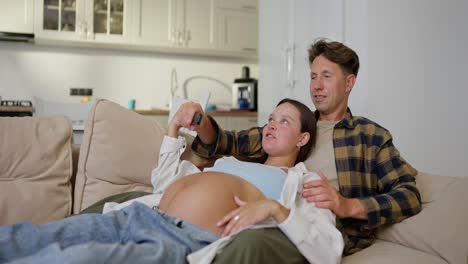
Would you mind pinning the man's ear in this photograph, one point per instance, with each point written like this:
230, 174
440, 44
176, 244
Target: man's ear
350, 81
304, 139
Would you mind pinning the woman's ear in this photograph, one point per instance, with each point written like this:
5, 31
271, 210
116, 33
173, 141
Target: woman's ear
305, 137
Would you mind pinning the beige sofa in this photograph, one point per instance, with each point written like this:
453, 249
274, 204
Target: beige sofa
119, 150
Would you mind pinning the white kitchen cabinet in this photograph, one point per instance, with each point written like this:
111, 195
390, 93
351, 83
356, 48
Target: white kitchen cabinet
17, 16
238, 30
237, 22
153, 22
174, 23
245, 5
103, 21
199, 24
210, 27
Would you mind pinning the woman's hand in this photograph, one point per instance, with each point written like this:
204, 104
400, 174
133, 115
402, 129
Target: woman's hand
183, 118
251, 213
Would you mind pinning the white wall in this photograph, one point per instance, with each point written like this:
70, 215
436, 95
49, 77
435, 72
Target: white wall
49, 72
413, 66
414, 77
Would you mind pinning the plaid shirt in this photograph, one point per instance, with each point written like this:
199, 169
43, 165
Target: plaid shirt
369, 167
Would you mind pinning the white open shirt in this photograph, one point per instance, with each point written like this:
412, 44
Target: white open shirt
313, 230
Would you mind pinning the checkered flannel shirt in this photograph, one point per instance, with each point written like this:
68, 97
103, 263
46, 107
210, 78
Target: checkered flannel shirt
369, 168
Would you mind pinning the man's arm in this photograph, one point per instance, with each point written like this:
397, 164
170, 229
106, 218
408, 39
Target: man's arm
211, 140
399, 198
324, 195
245, 143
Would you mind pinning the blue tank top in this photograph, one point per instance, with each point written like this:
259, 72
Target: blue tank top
268, 179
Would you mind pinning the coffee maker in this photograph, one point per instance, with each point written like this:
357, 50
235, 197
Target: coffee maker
244, 92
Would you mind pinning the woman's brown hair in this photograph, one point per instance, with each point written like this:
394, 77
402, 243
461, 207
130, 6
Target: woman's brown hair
308, 124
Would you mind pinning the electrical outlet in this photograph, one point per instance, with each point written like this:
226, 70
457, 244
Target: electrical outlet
74, 91
81, 91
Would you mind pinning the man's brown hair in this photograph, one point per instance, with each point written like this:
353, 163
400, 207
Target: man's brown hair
336, 52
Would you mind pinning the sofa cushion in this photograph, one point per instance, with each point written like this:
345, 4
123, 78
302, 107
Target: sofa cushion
383, 252
35, 169
118, 152
440, 228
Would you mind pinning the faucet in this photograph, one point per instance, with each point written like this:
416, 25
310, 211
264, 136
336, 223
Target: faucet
174, 86
185, 83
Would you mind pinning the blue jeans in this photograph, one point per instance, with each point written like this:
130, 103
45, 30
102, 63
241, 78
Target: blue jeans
136, 234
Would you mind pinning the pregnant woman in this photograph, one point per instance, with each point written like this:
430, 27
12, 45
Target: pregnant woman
198, 212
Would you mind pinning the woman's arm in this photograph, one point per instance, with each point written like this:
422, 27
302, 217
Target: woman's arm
311, 229
170, 167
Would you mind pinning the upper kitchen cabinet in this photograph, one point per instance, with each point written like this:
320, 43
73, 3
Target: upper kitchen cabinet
181, 24
237, 22
246, 5
17, 16
103, 21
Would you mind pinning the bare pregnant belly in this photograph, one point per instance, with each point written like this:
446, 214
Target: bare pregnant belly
204, 198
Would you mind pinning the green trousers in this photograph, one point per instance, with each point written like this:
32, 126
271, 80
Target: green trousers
268, 245
97, 207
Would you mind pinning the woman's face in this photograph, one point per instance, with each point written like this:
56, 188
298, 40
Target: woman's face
282, 134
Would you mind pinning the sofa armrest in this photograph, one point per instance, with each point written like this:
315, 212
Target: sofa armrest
439, 229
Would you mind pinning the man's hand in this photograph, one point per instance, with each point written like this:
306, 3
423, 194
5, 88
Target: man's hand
324, 195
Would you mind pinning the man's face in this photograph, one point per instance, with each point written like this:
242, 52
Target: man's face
329, 88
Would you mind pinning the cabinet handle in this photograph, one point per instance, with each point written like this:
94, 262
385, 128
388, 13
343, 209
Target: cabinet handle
249, 49
186, 37
82, 30
90, 31
290, 66
180, 38
174, 37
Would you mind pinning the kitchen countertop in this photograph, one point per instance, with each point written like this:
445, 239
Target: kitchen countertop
212, 113
17, 109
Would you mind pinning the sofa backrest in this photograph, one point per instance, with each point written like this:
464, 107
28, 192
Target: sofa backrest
35, 169
118, 152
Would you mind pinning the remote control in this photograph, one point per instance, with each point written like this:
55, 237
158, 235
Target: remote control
197, 119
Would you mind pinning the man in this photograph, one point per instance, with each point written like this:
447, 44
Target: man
375, 185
